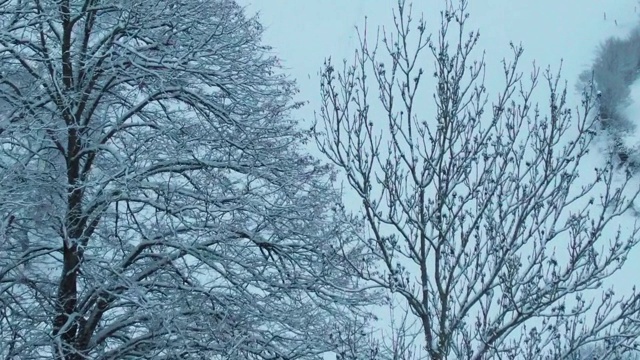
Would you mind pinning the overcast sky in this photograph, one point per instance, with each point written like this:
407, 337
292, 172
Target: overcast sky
304, 32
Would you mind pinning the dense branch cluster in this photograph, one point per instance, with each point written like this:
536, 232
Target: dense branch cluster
156, 201
485, 215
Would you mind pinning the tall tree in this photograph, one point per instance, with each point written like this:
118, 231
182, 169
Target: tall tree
156, 202
485, 217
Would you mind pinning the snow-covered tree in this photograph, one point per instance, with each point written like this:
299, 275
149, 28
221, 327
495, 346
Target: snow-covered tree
488, 218
154, 196
615, 69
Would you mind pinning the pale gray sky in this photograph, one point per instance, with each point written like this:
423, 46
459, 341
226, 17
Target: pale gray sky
304, 32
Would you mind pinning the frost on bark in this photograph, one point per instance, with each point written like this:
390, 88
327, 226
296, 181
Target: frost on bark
154, 197
486, 216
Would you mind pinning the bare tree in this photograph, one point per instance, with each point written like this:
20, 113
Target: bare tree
396, 340
485, 217
155, 200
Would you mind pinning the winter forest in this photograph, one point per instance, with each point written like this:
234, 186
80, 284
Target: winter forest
161, 197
